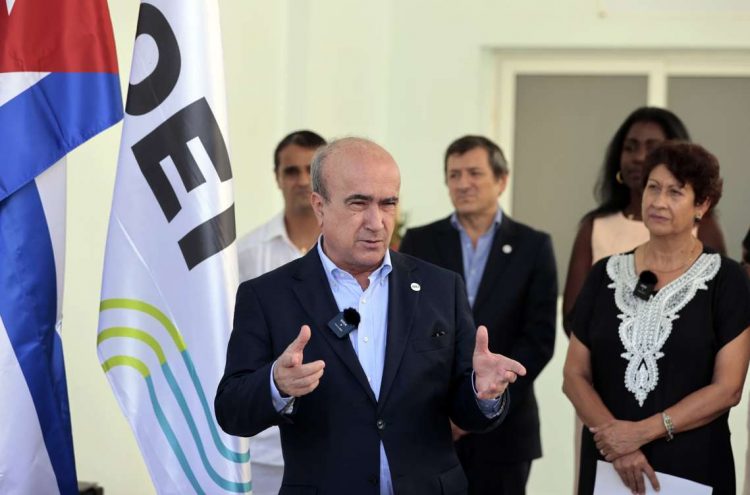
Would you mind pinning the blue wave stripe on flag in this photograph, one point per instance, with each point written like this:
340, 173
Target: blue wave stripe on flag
28, 305
51, 118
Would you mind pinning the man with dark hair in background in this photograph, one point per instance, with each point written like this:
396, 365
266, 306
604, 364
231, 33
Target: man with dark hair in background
511, 284
286, 237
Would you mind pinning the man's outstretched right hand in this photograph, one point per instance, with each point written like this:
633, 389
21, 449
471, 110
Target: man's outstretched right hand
293, 378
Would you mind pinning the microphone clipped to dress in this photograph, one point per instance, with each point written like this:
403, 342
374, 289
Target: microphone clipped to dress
644, 289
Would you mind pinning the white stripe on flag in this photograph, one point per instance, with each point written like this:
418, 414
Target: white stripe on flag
14, 83
25, 468
52, 193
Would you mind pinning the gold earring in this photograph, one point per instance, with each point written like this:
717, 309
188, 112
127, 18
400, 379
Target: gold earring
698, 219
618, 178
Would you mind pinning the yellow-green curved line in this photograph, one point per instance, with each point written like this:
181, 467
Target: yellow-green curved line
133, 333
233, 486
126, 361
153, 311
150, 310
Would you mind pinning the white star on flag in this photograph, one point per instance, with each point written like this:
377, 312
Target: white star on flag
10, 3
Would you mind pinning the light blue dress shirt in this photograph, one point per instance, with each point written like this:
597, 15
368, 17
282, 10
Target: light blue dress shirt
368, 339
475, 258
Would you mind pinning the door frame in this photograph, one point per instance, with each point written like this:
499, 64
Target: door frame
656, 65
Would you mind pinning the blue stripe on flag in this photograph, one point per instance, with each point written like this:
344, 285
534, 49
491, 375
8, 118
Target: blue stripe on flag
52, 117
28, 304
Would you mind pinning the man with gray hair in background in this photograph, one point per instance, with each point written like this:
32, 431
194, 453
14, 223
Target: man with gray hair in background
511, 281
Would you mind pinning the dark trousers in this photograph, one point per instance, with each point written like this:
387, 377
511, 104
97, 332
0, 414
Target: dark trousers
496, 479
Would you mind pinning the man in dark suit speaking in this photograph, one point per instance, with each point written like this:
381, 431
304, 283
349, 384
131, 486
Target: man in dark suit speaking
361, 355
511, 282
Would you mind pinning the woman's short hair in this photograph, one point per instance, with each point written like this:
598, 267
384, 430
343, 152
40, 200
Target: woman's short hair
690, 164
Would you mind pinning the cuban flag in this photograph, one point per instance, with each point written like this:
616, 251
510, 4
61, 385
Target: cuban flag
59, 86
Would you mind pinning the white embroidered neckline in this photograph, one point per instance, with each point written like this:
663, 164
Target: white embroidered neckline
646, 325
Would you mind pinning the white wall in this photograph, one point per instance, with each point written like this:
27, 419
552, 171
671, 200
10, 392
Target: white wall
409, 73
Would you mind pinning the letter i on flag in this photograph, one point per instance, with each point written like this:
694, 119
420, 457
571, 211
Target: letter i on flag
58, 87
170, 272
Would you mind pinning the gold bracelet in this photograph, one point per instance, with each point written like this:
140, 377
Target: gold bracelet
668, 425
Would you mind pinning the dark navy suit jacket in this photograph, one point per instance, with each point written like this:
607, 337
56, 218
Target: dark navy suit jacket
331, 440
517, 301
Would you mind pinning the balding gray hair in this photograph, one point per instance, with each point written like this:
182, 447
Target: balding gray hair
316, 170
325, 152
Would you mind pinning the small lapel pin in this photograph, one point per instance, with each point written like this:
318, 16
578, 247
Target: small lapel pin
507, 248
416, 287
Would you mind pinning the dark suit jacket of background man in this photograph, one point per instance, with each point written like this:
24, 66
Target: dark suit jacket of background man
517, 301
331, 440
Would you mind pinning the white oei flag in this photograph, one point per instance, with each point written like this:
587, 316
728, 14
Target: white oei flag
170, 273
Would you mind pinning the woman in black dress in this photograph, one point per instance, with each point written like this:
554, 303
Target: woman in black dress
619, 194
653, 375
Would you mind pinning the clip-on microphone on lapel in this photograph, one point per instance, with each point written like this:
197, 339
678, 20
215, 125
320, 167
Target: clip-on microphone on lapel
345, 322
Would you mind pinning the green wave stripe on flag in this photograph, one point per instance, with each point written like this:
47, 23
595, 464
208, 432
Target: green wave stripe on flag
151, 342
179, 342
143, 369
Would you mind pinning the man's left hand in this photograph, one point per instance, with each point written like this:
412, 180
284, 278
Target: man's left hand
492, 372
